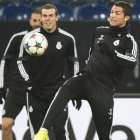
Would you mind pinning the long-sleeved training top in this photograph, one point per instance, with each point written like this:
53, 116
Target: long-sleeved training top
10, 59
108, 71
47, 70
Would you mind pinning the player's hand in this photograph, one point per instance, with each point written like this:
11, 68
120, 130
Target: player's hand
41, 135
104, 48
2, 94
78, 104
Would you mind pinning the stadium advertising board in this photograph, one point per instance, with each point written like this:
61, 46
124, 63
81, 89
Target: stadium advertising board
126, 122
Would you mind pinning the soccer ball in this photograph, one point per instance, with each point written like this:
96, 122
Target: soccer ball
36, 44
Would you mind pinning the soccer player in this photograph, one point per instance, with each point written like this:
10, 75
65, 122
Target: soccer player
45, 74
16, 97
113, 50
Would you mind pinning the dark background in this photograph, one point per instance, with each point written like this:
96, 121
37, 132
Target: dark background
82, 31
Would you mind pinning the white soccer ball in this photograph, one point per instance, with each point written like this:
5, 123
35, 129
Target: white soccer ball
36, 44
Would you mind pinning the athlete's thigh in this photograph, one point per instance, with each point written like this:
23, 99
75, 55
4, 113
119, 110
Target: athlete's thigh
62, 118
101, 102
13, 105
60, 126
75, 87
37, 110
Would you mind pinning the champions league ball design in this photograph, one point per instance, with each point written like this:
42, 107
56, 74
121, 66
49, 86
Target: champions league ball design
36, 44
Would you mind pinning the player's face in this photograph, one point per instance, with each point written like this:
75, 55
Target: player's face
35, 21
49, 20
117, 17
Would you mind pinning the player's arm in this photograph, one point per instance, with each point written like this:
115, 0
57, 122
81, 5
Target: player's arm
6, 61
72, 58
73, 67
93, 44
22, 61
8, 56
128, 59
91, 49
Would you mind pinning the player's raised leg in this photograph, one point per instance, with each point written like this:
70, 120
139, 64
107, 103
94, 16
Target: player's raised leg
67, 92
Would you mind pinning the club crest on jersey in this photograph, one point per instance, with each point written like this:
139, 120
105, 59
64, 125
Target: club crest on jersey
58, 45
101, 38
116, 43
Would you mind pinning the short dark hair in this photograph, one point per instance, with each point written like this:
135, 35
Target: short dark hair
125, 6
50, 6
36, 12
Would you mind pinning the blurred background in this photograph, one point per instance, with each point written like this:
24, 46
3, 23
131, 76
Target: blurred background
80, 18
71, 10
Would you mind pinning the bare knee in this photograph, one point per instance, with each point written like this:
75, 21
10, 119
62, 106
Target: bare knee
7, 124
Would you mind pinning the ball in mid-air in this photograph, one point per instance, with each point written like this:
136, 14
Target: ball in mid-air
36, 44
